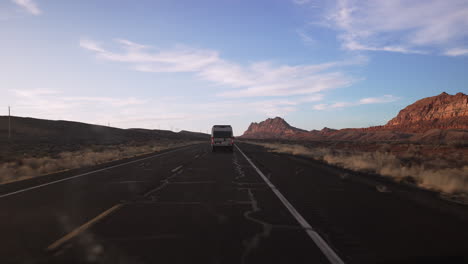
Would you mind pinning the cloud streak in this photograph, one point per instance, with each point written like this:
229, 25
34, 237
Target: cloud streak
404, 26
457, 52
301, 2
363, 101
263, 78
29, 5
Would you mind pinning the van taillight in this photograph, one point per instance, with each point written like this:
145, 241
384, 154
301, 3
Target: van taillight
212, 140
232, 141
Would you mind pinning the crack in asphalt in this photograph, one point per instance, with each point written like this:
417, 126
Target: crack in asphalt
238, 169
253, 242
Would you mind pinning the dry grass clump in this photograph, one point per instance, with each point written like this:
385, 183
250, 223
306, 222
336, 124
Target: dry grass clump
431, 172
31, 166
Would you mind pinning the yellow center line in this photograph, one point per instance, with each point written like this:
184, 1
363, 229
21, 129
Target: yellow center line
178, 168
82, 228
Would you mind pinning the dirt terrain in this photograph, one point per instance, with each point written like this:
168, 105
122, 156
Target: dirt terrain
39, 147
33, 137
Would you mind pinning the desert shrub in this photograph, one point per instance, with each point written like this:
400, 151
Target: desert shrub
34, 166
439, 173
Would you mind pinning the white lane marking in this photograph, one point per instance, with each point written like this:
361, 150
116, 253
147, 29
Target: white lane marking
82, 228
323, 246
88, 173
176, 169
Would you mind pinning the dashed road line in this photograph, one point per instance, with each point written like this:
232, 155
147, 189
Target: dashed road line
82, 228
176, 169
321, 244
164, 183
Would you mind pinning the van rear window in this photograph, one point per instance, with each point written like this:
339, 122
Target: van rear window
222, 134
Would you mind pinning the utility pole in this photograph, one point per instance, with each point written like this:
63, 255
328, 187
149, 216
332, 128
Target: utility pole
9, 122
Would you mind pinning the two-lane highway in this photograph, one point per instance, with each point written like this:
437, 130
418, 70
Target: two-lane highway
190, 205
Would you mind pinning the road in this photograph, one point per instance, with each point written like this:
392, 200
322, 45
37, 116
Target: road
189, 205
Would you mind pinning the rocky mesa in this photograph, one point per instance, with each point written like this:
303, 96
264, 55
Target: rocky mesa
273, 128
443, 111
443, 117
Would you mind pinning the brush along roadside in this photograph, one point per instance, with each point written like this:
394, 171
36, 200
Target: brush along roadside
29, 167
447, 174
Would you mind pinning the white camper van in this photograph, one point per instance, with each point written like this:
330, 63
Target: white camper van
222, 137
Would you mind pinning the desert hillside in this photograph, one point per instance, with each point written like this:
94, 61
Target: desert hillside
39, 137
441, 118
25, 129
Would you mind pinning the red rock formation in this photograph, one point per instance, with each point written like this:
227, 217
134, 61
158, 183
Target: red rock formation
440, 113
272, 128
443, 111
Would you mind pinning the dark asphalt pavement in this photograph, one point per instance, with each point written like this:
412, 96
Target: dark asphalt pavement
194, 206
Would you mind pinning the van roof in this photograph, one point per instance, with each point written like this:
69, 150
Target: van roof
222, 127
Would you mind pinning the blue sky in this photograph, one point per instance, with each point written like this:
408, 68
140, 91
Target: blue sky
191, 64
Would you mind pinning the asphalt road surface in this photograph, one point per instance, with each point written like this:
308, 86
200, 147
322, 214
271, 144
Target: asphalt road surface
189, 205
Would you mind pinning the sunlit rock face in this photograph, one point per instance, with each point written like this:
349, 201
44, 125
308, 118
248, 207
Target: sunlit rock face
443, 111
438, 118
273, 128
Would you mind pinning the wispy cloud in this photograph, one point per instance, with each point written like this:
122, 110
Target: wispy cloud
456, 52
144, 58
91, 45
268, 79
118, 102
363, 101
301, 2
378, 100
405, 26
305, 37
29, 5
45, 101
264, 78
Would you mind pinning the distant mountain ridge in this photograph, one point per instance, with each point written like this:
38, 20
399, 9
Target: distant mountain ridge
441, 117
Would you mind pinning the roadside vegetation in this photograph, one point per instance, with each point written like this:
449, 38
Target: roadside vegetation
439, 168
31, 165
